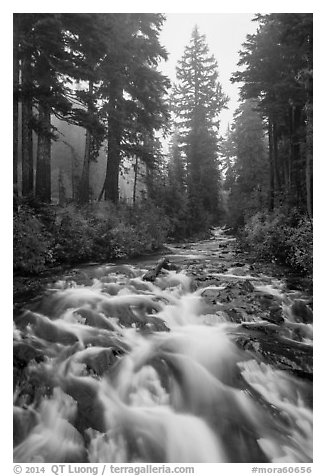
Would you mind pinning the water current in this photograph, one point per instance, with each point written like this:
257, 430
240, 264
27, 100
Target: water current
119, 369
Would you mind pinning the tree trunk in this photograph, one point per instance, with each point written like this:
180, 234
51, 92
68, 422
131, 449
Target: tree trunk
15, 105
152, 274
277, 178
271, 166
298, 184
111, 183
27, 133
290, 159
309, 158
61, 187
84, 181
83, 196
135, 182
43, 163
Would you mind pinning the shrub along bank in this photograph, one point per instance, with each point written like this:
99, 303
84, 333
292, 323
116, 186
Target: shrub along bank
50, 235
284, 236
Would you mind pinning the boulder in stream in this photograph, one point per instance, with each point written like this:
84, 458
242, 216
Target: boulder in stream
301, 312
275, 314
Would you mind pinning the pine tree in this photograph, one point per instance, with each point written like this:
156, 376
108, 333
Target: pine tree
132, 90
197, 101
15, 99
87, 36
24, 91
42, 60
248, 136
247, 177
176, 166
278, 72
176, 200
227, 159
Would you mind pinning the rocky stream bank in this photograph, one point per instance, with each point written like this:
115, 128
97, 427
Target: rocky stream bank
147, 337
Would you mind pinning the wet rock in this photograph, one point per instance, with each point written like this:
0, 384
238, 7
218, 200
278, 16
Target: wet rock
247, 286
275, 350
242, 271
154, 324
172, 266
275, 315
248, 344
210, 282
85, 392
301, 312
23, 421
265, 328
237, 264
236, 289
294, 282
267, 301
24, 353
234, 315
95, 319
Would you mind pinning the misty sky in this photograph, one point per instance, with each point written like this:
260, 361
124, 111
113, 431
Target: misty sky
225, 32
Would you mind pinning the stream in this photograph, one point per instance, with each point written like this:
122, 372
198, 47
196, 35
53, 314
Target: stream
211, 362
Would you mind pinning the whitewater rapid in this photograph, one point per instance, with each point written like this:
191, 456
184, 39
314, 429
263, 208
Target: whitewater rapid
125, 370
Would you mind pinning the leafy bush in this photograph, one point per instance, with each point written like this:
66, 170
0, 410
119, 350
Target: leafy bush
32, 242
75, 234
151, 225
301, 243
282, 236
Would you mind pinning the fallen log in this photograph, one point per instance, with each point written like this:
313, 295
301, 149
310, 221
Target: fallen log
152, 274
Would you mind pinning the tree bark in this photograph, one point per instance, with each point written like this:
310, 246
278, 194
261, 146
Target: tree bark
298, 194
61, 188
309, 139
309, 158
15, 104
277, 178
84, 181
152, 274
43, 163
83, 195
135, 182
271, 166
27, 133
111, 183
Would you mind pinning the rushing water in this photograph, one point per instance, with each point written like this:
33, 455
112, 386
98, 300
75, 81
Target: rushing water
132, 371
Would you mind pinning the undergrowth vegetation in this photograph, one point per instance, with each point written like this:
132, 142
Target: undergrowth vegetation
51, 235
283, 236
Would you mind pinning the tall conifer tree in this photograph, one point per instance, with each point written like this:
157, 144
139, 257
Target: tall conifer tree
197, 102
132, 90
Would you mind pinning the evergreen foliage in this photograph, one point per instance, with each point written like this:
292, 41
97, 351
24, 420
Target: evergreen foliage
245, 158
120, 98
197, 100
132, 90
278, 72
